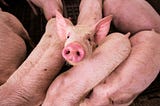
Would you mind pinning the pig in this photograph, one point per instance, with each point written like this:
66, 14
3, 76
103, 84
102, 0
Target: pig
90, 31
70, 88
12, 45
27, 86
132, 76
132, 15
49, 7
81, 39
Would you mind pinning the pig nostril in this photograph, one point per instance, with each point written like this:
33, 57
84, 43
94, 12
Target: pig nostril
68, 52
78, 53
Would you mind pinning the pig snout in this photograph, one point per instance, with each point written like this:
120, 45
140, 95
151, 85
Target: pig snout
73, 52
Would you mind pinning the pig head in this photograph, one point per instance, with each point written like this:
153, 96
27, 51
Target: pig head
81, 39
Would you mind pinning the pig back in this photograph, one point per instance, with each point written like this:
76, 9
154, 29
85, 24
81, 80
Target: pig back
12, 45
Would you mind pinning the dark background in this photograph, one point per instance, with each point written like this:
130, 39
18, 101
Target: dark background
35, 25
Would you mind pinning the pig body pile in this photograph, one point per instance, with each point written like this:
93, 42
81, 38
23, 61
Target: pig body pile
115, 73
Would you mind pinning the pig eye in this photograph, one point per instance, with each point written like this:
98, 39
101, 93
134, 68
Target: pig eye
89, 39
68, 36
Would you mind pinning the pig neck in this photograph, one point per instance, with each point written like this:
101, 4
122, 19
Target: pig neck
90, 13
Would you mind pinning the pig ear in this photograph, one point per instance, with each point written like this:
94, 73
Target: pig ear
61, 25
102, 28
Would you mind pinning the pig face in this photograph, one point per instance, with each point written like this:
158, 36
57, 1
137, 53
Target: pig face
79, 44
81, 39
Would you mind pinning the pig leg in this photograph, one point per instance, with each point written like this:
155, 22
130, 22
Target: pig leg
132, 16
132, 76
49, 7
